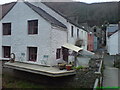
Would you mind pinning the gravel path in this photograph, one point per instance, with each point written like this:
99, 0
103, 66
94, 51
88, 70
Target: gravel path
110, 73
110, 77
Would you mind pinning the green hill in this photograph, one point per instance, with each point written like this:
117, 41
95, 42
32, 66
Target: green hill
93, 14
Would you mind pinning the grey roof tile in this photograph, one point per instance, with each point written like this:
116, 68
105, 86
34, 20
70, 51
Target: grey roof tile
45, 15
6, 8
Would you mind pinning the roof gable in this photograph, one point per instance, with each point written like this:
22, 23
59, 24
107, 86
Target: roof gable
6, 8
45, 15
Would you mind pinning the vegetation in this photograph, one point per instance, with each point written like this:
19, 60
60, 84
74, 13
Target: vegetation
79, 67
117, 63
10, 82
92, 14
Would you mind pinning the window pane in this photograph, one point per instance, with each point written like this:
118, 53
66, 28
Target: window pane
33, 27
6, 28
32, 53
71, 31
58, 53
6, 51
77, 32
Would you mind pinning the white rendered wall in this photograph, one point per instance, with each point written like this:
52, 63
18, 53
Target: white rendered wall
19, 39
113, 44
58, 38
72, 40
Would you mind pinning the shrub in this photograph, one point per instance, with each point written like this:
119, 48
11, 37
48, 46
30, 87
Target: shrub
117, 63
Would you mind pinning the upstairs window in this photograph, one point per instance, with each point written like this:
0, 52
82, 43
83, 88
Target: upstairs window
6, 28
77, 32
33, 27
72, 31
32, 53
6, 51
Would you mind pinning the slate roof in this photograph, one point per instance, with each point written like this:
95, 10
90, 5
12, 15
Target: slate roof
45, 15
111, 33
112, 27
65, 16
6, 8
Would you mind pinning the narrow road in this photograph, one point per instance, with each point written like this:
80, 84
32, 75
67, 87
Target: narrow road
110, 73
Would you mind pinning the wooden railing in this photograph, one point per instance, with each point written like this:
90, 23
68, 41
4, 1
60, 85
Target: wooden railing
99, 77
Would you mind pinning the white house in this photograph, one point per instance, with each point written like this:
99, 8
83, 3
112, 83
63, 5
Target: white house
35, 34
113, 40
74, 34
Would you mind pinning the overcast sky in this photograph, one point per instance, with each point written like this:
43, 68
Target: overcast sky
87, 1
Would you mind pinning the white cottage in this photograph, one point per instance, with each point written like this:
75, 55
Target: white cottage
113, 40
35, 34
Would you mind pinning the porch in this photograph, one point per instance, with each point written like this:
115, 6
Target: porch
38, 69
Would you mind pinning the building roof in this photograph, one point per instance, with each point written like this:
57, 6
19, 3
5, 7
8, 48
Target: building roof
64, 16
6, 8
112, 27
111, 33
45, 15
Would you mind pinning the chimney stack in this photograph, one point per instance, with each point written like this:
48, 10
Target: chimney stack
20, 0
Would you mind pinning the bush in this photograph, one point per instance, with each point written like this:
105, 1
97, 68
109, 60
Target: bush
117, 63
79, 67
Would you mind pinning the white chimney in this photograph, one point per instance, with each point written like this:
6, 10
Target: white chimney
20, 0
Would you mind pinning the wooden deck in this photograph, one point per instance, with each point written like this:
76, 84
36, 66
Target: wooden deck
38, 69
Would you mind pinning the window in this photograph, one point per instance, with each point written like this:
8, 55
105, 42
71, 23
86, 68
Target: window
94, 29
6, 51
58, 53
33, 27
6, 28
32, 53
71, 31
77, 32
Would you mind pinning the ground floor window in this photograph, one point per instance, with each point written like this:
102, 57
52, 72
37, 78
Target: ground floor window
6, 51
58, 53
32, 53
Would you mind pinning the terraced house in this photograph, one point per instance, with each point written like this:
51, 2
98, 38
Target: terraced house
37, 34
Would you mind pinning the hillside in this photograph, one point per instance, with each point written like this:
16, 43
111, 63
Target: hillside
95, 13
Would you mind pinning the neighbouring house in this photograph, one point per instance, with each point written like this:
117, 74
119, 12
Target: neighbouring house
95, 43
37, 34
99, 35
113, 39
90, 36
90, 41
